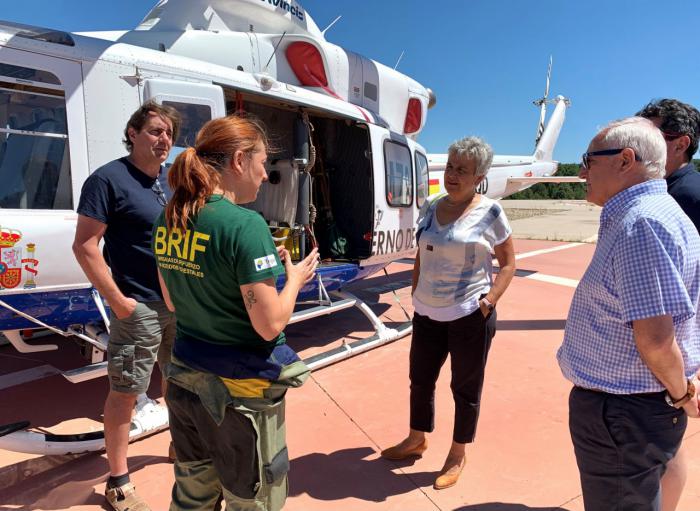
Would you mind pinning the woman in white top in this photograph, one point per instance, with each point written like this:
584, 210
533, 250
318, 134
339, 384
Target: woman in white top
454, 296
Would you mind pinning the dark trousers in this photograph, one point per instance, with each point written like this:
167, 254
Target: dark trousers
622, 445
467, 340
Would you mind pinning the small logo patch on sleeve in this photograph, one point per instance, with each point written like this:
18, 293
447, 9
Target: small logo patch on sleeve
265, 263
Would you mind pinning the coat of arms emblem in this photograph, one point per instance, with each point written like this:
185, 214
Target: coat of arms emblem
11, 260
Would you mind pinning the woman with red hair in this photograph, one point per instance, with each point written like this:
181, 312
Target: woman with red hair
231, 366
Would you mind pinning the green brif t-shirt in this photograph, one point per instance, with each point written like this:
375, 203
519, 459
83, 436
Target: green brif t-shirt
225, 247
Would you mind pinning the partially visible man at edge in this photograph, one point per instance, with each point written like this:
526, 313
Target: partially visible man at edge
680, 126
632, 338
120, 201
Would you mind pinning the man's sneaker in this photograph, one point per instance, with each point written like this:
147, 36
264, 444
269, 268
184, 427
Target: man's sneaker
125, 498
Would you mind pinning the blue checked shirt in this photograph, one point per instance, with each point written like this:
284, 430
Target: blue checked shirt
646, 264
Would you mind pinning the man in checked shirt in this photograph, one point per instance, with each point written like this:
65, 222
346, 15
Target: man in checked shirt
632, 339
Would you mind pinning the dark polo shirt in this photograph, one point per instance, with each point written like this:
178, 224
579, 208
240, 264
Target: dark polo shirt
684, 186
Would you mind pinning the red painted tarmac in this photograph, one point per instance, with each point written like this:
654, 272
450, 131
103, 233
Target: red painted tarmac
345, 414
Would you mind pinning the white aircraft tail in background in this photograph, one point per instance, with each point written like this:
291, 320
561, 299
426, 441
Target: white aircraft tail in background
510, 174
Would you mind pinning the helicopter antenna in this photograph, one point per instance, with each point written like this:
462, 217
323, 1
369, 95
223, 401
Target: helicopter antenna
398, 61
274, 51
329, 26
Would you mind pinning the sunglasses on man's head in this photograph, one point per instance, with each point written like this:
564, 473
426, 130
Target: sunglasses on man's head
586, 157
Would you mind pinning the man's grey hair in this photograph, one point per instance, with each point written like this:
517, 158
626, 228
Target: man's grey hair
643, 138
475, 149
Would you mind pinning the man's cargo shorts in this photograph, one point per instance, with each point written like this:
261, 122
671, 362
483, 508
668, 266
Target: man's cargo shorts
135, 343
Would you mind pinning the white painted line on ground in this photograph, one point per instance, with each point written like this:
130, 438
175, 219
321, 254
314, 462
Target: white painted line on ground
551, 279
534, 253
26, 376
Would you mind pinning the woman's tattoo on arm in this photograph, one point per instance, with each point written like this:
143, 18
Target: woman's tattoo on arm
250, 299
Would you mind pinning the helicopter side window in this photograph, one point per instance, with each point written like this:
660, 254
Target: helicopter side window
422, 182
399, 174
192, 118
34, 158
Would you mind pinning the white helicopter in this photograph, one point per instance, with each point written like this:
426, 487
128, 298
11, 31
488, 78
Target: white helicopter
348, 175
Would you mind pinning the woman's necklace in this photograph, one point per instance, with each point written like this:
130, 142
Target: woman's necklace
463, 203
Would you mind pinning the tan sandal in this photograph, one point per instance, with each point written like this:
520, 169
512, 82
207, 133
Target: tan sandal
397, 452
449, 476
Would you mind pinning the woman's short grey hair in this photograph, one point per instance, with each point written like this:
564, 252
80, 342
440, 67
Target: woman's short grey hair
475, 149
643, 137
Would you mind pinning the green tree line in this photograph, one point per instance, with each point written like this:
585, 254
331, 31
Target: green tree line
560, 191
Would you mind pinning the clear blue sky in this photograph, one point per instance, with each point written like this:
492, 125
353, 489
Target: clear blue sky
486, 59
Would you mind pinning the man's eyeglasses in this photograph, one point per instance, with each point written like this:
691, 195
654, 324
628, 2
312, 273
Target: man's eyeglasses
160, 194
586, 157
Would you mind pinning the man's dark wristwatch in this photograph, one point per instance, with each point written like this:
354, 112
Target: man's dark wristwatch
678, 403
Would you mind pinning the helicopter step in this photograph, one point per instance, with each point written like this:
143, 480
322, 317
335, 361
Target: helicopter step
322, 310
347, 350
86, 373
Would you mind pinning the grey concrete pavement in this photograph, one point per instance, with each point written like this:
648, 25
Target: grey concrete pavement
571, 220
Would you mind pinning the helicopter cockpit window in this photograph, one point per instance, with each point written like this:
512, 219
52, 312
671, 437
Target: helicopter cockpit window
399, 174
193, 117
34, 159
422, 179
26, 73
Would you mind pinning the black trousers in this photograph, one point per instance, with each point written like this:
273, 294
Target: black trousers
467, 340
623, 444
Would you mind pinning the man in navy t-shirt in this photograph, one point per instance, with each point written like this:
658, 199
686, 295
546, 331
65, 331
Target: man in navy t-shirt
680, 125
119, 203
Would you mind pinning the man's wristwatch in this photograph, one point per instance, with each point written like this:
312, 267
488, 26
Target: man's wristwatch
678, 403
488, 304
